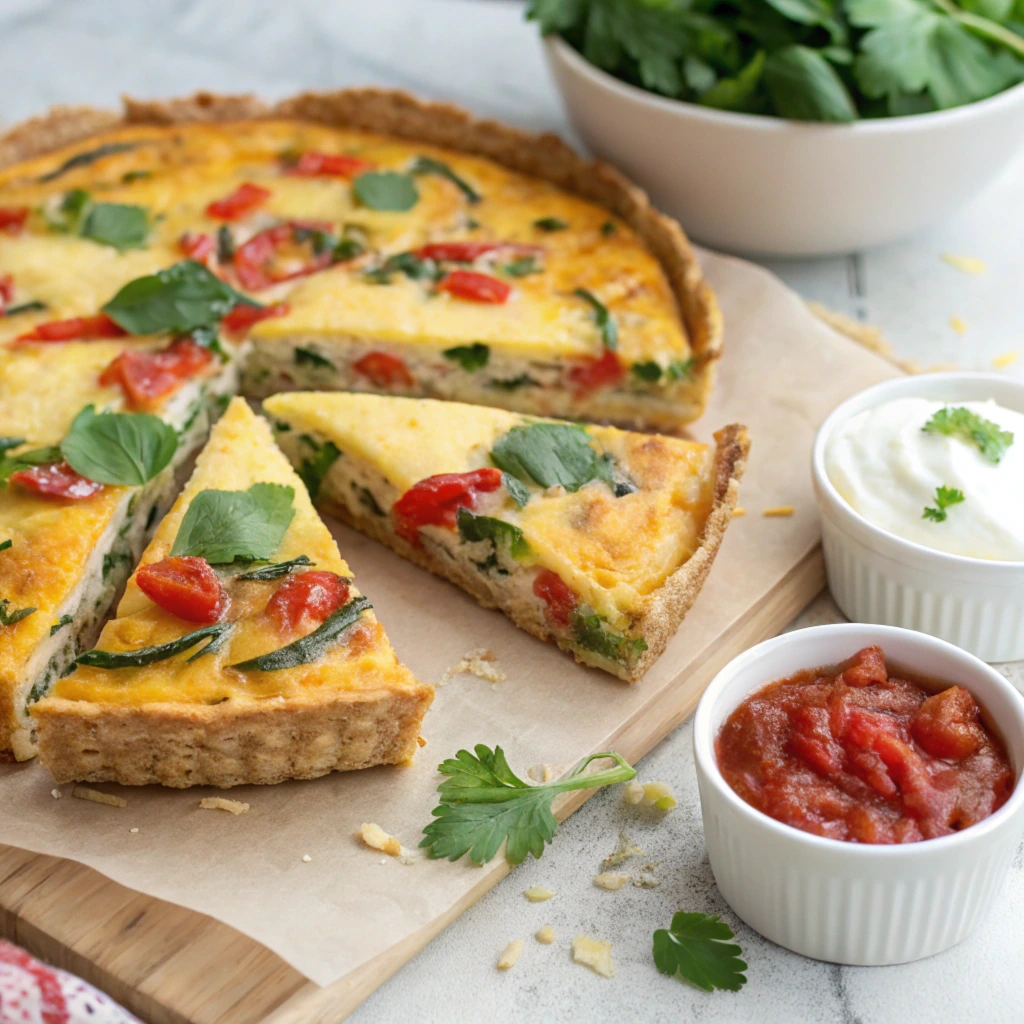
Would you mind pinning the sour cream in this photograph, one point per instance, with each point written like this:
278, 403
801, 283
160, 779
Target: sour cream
887, 468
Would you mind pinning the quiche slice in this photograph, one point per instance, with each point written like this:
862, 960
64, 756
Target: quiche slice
242, 651
394, 246
70, 535
593, 537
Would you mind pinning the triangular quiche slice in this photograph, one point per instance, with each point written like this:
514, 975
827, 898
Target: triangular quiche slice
242, 651
596, 538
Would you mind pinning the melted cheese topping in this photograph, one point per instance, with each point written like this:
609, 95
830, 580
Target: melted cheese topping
240, 453
185, 167
613, 552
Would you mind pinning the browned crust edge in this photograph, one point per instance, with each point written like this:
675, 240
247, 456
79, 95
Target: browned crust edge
224, 745
392, 112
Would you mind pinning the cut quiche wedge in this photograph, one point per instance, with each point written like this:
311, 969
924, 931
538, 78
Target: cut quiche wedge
394, 246
69, 539
242, 651
596, 538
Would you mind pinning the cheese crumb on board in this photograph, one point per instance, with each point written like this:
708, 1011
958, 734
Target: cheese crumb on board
633, 792
421, 741
96, 797
377, 839
779, 511
1006, 359
610, 880
56, 794
511, 954
479, 663
965, 264
133, 830
538, 894
544, 772
737, 512
219, 803
306, 859
658, 794
593, 953
626, 849
545, 936
958, 324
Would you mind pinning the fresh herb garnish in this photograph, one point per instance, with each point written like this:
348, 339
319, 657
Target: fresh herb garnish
962, 423
33, 457
386, 190
277, 570
160, 652
5, 544
310, 357
649, 371
129, 176
605, 321
945, 497
484, 804
697, 947
180, 298
6, 443
517, 490
124, 448
590, 634
35, 306
608, 228
367, 500
230, 526
87, 157
497, 531
652, 372
313, 469
408, 263
312, 646
116, 224
523, 267
9, 618
428, 165
64, 620
225, 244
524, 380
551, 454
550, 224
469, 357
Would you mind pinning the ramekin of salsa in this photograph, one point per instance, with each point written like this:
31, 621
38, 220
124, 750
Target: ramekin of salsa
860, 790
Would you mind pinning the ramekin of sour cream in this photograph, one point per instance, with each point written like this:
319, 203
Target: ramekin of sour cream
920, 483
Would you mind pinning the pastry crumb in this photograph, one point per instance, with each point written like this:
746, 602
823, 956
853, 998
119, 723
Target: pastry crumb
543, 772
593, 953
1006, 359
219, 803
779, 511
421, 741
377, 839
480, 663
737, 512
633, 792
958, 324
56, 794
626, 849
306, 858
511, 954
610, 880
545, 936
965, 264
96, 797
659, 795
537, 894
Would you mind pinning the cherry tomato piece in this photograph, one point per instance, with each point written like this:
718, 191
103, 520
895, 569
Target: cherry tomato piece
76, 329
281, 253
436, 500
384, 370
590, 374
6, 290
457, 252
468, 284
57, 480
242, 317
312, 164
12, 219
147, 376
243, 201
186, 586
197, 246
307, 599
556, 594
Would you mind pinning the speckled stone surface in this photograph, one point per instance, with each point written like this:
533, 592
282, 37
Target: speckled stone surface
478, 53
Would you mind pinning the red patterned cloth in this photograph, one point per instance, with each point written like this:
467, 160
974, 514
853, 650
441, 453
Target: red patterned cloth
33, 993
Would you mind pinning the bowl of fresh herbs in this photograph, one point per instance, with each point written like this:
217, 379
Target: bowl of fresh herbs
795, 127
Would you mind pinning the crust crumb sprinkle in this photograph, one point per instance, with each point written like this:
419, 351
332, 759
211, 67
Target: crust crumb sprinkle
538, 894
965, 264
219, 803
480, 662
595, 954
511, 954
96, 797
56, 794
779, 512
377, 839
545, 936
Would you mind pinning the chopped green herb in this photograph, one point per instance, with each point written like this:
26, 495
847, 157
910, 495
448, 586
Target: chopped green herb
551, 454
590, 634
523, 267
6, 443
277, 570
67, 216
945, 497
64, 620
517, 490
428, 165
313, 470
407, 263
9, 618
118, 225
524, 380
605, 321
310, 357
113, 560
386, 190
608, 228
124, 448
87, 157
230, 526
474, 528
968, 426
149, 655
484, 804
129, 176
34, 457
5, 544
649, 371
469, 357
367, 500
281, 427
312, 646
24, 307
225, 244
209, 337
551, 224
679, 369
697, 947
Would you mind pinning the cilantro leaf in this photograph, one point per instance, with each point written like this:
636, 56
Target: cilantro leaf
428, 165
478, 528
696, 947
605, 321
960, 422
484, 804
945, 497
124, 448
469, 357
386, 190
518, 491
230, 526
550, 454
9, 618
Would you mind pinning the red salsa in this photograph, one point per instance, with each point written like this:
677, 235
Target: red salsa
862, 756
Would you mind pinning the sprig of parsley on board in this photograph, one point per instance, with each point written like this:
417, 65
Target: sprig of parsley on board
697, 947
484, 804
945, 497
961, 422
813, 60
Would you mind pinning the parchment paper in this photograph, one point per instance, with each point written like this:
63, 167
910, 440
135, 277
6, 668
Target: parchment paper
783, 371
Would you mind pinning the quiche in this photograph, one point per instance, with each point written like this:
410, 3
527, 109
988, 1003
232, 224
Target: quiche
85, 472
596, 538
384, 245
242, 651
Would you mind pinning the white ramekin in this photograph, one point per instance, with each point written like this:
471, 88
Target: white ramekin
851, 903
875, 576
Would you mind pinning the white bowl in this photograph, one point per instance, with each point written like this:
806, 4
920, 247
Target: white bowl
783, 188
852, 903
875, 576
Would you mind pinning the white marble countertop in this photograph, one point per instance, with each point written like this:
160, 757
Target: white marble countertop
480, 54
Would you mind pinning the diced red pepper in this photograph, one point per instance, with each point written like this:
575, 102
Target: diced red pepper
57, 480
6, 290
147, 376
76, 329
457, 252
243, 201
556, 594
260, 262
312, 164
197, 246
384, 370
468, 284
307, 599
436, 500
591, 374
184, 586
243, 316
12, 219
